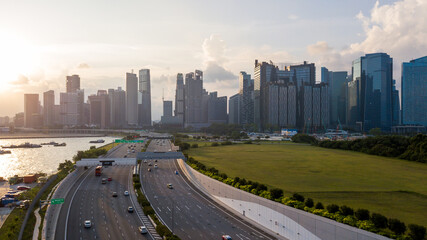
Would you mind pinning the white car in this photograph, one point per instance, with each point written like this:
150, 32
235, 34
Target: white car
155, 166
142, 229
126, 193
88, 224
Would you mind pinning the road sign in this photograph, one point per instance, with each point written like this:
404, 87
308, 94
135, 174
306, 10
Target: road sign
128, 141
57, 201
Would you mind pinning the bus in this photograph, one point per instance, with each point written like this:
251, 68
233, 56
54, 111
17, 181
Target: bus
98, 171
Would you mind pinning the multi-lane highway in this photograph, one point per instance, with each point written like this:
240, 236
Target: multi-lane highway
89, 199
185, 210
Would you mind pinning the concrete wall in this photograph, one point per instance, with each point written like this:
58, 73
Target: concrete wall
286, 221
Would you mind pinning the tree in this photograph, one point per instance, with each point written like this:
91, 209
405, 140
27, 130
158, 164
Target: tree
346, 211
379, 220
276, 193
417, 232
297, 197
362, 214
333, 208
396, 226
375, 131
319, 205
309, 202
195, 145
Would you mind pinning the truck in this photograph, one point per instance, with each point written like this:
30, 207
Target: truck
98, 171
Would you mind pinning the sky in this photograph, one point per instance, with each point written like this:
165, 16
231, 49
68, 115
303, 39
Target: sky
41, 42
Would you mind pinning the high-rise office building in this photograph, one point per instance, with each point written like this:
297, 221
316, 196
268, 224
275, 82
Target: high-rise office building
337, 82
31, 110
180, 97
246, 91
217, 108
131, 99
145, 91
48, 108
167, 108
395, 105
414, 92
370, 92
73, 83
234, 109
193, 98
72, 108
100, 109
118, 107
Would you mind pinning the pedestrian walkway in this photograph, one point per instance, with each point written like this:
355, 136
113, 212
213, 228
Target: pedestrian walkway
36, 227
4, 213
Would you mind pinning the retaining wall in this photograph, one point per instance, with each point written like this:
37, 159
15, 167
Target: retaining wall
286, 221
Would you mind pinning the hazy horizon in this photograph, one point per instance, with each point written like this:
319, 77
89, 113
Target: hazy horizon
42, 42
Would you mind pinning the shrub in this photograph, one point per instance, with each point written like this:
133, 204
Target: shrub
396, 226
309, 202
297, 197
303, 138
226, 143
195, 145
137, 185
346, 211
148, 210
332, 208
362, 214
379, 220
276, 193
162, 230
214, 144
247, 142
417, 232
319, 205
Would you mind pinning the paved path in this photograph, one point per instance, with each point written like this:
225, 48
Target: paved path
36, 227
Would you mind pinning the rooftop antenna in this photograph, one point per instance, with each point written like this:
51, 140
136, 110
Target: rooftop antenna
132, 70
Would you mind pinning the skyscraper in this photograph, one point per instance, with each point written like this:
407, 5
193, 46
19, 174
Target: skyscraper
167, 108
72, 108
234, 109
337, 82
193, 98
100, 109
131, 99
414, 92
48, 108
246, 91
145, 91
180, 97
73, 83
31, 110
217, 108
370, 93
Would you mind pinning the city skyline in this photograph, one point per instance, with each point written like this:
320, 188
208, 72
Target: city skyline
347, 32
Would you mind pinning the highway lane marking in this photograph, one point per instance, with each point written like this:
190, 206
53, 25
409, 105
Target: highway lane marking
199, 207
178, 208
169, 209
186, 207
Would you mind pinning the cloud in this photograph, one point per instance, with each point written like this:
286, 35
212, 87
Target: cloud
214, 52
319, 48
22, 80
293, 17
398, 29
214, 73
83, 65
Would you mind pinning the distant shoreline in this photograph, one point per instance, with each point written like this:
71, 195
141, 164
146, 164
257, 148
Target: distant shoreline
16, 136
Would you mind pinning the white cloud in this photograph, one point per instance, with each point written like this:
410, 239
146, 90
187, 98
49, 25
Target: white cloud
398, 29
293, 17
214, 55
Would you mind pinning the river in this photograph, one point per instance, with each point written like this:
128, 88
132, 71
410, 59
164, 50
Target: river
46, 159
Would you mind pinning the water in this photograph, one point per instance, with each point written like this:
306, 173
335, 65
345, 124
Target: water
46, 159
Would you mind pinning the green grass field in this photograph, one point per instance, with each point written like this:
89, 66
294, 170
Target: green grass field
393, 187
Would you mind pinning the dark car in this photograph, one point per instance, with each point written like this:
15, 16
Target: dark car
110, 179
114, 194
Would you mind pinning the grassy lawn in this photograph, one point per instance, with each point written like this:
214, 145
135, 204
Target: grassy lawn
10, 228
393, 187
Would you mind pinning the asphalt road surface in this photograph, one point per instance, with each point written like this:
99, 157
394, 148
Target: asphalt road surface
187, 212
88, 199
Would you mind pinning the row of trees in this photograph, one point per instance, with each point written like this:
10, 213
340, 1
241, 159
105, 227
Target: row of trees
412, 149
93, 152
360, 218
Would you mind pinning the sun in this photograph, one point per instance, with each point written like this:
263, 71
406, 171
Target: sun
17, 57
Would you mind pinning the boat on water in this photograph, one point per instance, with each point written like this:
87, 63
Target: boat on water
5, 152
60, 145
97, 141
49, 143
24, 145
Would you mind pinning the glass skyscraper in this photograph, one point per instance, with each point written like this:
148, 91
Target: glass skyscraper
370, 92
414, 92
